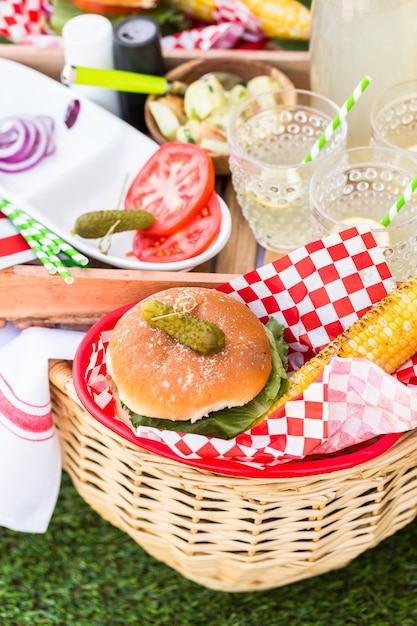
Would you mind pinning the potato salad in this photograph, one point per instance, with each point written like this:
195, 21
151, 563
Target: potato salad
202, 115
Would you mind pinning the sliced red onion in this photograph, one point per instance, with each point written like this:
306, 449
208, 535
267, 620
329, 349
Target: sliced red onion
17, 127
72, 113
24, 141
48, 121
49, 124
7, 137
31, 136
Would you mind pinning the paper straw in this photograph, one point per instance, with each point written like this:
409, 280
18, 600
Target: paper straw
59, 245
77, 257
49, 260
61, 269
48, 239
51, 240
398, 205
38, 235
341, 115
43, 256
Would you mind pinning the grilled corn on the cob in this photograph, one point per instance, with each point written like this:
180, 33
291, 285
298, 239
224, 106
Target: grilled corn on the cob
285, 19
386, 335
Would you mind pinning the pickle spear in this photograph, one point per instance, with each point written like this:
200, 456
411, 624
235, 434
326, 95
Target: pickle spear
200, 335
99, 223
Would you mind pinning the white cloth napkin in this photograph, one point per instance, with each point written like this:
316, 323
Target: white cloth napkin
30, 456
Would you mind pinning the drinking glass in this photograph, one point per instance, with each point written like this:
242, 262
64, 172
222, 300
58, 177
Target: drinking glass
269, 137
394, 117
359, 186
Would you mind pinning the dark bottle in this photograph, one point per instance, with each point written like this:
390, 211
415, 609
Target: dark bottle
137, 49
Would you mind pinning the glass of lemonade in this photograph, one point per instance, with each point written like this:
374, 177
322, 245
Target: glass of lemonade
394, 117
359, 186
269, 137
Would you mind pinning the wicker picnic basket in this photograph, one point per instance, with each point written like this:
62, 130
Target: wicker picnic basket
229, 533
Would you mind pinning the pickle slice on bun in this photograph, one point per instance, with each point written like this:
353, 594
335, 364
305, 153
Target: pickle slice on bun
158, 381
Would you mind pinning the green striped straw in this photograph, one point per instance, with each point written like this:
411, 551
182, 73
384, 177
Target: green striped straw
50, 261
37, 230
398, 205
341, 115
74, 255
39, 235
44, 253
47, 238
61, 269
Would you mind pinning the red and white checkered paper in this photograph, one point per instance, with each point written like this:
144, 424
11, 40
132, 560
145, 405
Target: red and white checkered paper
203, 38
316, 292
21, 18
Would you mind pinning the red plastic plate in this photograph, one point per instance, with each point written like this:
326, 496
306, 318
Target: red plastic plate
306, 467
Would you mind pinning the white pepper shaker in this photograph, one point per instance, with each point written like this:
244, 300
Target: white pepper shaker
88, 42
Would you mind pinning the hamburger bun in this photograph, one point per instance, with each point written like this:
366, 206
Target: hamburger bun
157, 376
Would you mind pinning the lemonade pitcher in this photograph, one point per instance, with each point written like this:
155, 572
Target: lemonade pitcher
351, 38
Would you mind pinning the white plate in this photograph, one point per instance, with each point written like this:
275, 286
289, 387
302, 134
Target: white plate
91, 168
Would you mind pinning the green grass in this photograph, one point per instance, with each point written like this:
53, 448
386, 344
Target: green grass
85, 572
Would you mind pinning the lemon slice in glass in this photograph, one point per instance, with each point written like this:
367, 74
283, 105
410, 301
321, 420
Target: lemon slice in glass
379, 232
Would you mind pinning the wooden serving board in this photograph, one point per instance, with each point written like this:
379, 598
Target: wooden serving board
29, 296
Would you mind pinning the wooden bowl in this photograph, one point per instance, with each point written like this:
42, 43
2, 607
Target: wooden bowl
193, 70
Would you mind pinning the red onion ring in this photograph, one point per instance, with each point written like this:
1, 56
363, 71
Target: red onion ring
15, 134
25, 141
30, 137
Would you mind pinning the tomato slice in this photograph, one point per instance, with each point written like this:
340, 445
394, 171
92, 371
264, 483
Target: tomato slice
173, 185
192, 239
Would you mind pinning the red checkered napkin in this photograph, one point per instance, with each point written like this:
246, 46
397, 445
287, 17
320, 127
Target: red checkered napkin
316, 292
232, 21
20, 18
203, 38
364, 401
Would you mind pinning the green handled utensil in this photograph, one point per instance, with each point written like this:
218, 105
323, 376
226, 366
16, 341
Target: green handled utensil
120, 80
131, 82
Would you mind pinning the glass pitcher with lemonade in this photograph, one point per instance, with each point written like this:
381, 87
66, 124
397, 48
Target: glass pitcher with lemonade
353, 38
